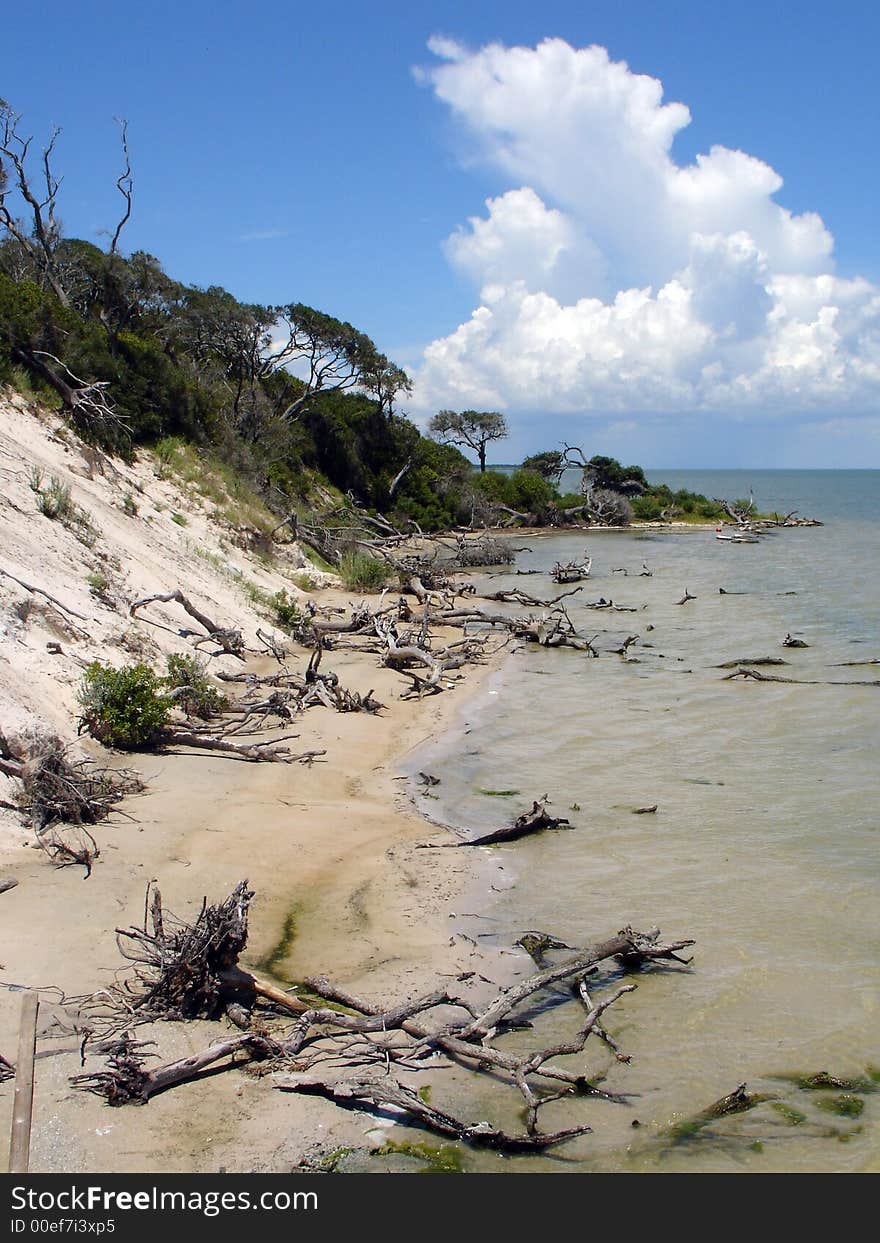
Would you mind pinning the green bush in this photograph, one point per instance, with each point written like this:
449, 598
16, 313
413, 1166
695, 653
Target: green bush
55, 500
361, 572
192, 689
285, 611
99, 583
123, 708
646, 508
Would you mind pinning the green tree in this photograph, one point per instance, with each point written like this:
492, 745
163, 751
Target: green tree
549, 465
473, 428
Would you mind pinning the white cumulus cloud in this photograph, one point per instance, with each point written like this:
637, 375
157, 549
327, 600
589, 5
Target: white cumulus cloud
612, 278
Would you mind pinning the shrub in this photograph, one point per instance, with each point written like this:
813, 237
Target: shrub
99, 583
646, 508
361, 572
285, 611
180, 519
56, 503
129, 504
193, 690
55, 500
124, 707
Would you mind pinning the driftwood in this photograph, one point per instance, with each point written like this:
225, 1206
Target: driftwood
686, 597
58, 789
128, 1081
756, 676
385, 1092
520, 597
529, 822
69, 847
254, 753
40, 592
229, 641
572, 571
5, 886
184, 971
755, 660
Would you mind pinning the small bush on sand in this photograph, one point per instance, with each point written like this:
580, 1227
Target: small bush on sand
191, 688
361, 572
123, 708
99, 583
55, 501
285, 611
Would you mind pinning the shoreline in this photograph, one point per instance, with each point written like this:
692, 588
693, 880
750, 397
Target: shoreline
341, 889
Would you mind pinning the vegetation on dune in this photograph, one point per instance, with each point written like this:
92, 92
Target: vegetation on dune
124, 708
133, 357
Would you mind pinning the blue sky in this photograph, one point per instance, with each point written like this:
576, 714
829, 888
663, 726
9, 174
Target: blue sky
614, 291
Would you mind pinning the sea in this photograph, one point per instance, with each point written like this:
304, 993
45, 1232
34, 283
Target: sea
763, 847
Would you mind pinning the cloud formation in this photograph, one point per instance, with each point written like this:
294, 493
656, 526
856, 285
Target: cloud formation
612, 278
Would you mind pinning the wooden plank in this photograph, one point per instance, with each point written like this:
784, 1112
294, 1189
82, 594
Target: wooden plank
22, 1111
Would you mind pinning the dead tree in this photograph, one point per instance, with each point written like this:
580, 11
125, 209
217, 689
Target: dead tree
59, 795
38, 238
228, 640
184, 971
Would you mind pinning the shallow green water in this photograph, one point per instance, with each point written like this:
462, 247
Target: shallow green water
764, 847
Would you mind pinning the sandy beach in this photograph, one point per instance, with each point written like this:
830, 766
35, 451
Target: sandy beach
331, 850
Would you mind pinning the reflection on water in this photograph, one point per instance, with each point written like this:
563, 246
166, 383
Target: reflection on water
763, 848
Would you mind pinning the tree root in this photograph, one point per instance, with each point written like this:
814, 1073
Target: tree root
188, 971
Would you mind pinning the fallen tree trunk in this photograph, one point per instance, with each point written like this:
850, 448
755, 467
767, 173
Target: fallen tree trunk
631, 948
254, 753
756, 676
188, 971
379, 1093
129, 1082
229, 640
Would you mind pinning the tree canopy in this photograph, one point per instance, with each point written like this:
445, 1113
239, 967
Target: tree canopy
473, 428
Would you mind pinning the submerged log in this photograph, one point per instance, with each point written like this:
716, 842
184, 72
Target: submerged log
736, 1102
755, 675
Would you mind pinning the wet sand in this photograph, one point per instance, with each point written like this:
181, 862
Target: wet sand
342, 889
